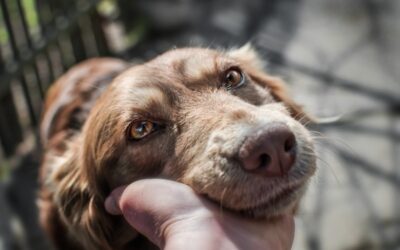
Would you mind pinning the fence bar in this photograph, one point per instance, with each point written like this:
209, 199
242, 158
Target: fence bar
10, 31
10, 129
49, 66
41, 7
77, 43
30, 45
99, 36
28, 99
39, 12
43, 32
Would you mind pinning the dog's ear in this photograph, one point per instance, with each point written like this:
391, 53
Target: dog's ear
254, 67
80, 208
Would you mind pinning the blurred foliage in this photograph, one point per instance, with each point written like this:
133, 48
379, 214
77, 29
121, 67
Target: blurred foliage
134, 24
30, 13
3, 32
108, 8
4, 170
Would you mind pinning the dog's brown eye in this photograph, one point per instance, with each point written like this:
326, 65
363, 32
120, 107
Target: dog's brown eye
233, 79
140, 129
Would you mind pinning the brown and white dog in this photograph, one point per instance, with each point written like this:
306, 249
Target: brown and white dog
210, 119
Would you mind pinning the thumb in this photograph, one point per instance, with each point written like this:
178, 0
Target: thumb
111, 203
151, 205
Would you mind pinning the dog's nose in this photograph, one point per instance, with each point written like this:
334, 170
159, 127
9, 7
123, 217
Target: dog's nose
270, 151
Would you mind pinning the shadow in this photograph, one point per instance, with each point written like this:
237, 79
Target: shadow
392, 135
331, 80
366, 167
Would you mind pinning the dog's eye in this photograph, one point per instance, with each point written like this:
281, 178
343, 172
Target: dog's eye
140, 129
234, 78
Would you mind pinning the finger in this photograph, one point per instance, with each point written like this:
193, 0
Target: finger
281, 232
111, 203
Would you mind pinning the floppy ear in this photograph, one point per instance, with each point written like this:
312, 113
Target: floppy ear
81, 209
254, 66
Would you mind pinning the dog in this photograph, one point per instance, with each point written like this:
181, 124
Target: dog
211, 119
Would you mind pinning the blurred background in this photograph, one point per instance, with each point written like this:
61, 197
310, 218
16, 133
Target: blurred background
341, 59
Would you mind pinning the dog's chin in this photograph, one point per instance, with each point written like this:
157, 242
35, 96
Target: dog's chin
255, 197
283, 202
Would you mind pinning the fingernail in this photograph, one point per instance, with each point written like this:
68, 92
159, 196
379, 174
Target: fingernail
112, 206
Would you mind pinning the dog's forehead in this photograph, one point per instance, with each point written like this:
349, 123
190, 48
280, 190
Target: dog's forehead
191, 63
188, 55
178, 68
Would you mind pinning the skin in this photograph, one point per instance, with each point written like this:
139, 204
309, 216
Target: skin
173, 216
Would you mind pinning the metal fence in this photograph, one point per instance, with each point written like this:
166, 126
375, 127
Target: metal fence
39, 40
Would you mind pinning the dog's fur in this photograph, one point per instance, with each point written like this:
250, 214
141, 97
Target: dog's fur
89, 109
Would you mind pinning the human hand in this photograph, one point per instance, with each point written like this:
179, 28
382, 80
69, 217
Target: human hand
173, 217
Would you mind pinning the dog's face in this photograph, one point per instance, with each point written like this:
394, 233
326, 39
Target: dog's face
210, 119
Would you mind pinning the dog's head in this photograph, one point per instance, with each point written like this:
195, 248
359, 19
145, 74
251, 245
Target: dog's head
213, 120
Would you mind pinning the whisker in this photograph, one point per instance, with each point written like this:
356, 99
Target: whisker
318, 137
310, 152
302, 118
221, 211
308, 121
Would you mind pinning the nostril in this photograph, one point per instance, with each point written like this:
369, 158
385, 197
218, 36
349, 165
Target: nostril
289, 143
265, 160
269, 152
